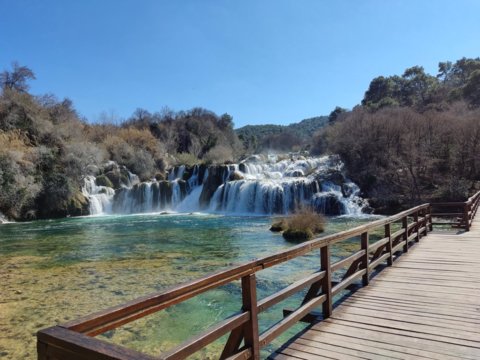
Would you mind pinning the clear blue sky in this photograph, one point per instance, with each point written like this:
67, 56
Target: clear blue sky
262, 61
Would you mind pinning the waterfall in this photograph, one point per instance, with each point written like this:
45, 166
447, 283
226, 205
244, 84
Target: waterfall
99, 197
257, 185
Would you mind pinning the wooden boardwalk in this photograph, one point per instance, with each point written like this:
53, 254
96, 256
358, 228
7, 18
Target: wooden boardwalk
425, 306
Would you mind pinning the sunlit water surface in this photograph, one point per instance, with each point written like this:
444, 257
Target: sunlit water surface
57, 270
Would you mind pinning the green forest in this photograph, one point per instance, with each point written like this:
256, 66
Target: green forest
415, 137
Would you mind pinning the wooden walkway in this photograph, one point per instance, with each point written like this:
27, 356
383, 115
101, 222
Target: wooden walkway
425, 306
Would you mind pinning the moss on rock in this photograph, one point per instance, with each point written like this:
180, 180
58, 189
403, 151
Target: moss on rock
78, 205
103, 180
297, 235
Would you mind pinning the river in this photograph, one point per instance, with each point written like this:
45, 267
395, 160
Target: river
53, 271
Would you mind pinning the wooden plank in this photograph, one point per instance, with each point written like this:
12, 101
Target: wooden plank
399, 345
378, 261
242, 355
364, 242
407, 318
407, 339
415, 309
327, 306
377, 244
289, 290
347, 261
315, 353
417, 331
249, 301
385, 350
65, 341
200, 341
344, 283
270, 334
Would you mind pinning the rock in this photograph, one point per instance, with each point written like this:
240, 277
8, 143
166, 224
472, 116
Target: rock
242, 167
296, 173
328, 204
201, 172
187, 174
159, 176
118, 177
278, 226
103, 180
333, 176
92, 170
216, 174
255, 159
236, 175
78, 205
297, 235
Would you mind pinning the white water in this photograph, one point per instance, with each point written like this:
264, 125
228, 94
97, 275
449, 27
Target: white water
262, 186
100, 197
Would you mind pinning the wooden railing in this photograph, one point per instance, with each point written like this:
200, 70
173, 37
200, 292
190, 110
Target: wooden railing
460, 214
75, 340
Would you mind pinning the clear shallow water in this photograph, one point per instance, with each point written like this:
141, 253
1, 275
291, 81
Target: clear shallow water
57, 270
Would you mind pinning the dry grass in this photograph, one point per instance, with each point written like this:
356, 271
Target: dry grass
300, 226
306, 219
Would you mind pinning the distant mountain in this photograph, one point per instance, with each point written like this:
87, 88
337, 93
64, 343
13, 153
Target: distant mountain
284, 137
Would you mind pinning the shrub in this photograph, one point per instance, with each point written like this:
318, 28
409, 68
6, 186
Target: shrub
300, 226
278, 226
219, 154
185, 158
306, 219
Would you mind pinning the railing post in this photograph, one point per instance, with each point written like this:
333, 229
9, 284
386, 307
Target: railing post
249, 299
417, 226
425, 221
41, 351
430, 219
327, 305
405, 234
388, 233
364, 243
466, 216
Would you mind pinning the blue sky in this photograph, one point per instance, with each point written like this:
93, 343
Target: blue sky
262, 61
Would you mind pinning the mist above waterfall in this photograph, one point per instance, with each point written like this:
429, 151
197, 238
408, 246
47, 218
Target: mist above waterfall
257, 185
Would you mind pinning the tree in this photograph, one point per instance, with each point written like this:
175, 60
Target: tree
471, 90
17, 78
335, 113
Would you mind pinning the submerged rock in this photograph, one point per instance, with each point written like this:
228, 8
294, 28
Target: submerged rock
297, 235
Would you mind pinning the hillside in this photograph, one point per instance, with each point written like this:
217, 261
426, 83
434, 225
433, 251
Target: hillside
280, 137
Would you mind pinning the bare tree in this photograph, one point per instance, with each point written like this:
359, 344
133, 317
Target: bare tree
17, 78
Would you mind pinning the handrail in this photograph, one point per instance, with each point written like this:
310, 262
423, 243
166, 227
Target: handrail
243, 327
462, 218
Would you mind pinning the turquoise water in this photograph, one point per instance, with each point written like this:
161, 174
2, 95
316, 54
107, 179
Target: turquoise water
57, 270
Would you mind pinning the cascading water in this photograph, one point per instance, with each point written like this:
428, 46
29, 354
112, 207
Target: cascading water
99, 197
255, 186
